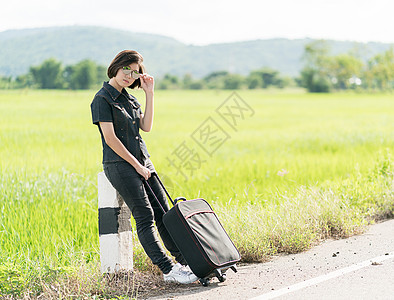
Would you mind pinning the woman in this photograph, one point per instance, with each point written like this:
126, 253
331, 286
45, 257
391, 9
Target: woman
126, 159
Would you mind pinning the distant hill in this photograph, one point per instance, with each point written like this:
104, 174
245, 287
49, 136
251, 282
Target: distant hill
20, 49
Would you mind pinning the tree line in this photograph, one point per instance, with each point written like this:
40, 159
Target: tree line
322, 72
261, 78
87, 74
52, 75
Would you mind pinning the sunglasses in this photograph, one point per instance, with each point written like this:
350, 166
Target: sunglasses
128, 71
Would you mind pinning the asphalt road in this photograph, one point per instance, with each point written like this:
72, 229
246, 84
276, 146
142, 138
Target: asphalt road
360, 267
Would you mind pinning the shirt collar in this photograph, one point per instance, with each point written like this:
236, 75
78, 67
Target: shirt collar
114, 93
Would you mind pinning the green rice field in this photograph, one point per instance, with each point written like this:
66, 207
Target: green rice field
282, 169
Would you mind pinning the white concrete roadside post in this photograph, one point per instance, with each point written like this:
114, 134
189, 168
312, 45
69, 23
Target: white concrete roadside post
115, 232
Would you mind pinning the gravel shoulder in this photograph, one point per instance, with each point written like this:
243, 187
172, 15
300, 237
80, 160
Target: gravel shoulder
253, 280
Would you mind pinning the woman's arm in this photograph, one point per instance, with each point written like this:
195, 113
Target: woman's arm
112, 141
146, 120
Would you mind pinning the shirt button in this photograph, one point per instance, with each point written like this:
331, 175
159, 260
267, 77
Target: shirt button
136, 137
133, 122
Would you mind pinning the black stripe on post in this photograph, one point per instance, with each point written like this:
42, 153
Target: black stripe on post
114, 220
108, 220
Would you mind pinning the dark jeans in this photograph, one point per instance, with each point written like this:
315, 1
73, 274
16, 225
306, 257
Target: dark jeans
145, 210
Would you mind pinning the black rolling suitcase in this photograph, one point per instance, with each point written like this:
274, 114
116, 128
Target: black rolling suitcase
198, 234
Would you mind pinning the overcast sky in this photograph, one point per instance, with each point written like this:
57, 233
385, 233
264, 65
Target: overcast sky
214, 21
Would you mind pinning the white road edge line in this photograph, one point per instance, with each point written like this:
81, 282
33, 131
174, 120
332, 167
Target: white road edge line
319, 279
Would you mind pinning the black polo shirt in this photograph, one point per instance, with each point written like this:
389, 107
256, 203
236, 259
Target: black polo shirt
124, 111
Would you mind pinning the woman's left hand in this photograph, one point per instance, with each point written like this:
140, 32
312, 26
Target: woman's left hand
147, 83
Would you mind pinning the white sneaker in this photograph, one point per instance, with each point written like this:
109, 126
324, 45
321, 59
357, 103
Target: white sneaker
187, 268
180, 274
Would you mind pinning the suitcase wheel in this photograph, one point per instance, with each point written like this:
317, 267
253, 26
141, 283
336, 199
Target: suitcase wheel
220, 275
204, 281
222, 278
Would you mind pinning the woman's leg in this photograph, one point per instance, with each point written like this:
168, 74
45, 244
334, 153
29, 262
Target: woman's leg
158, 214
128, 183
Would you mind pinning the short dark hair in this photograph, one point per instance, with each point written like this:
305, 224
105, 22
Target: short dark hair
123, 59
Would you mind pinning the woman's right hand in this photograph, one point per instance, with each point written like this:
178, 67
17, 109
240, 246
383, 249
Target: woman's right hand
144, 172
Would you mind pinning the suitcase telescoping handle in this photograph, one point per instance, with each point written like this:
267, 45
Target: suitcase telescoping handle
175, 201
165, 190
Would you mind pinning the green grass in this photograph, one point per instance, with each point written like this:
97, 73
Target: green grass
335, 150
